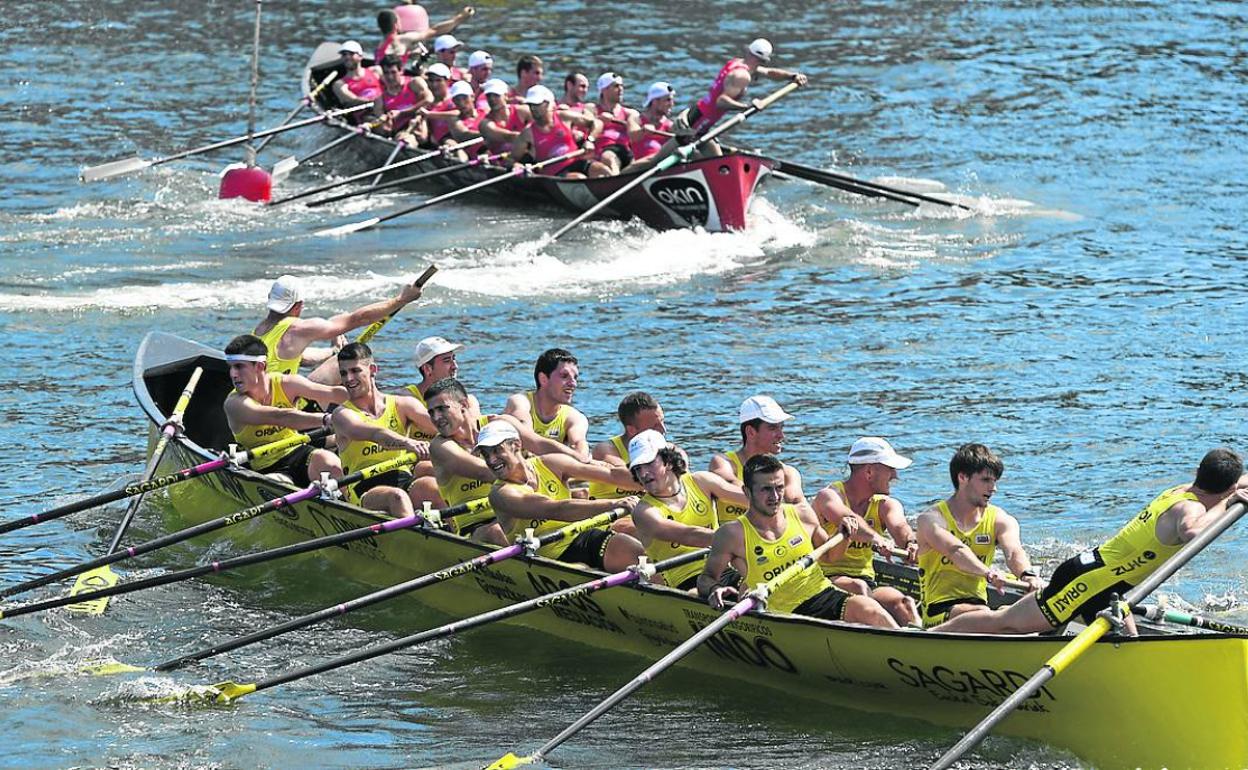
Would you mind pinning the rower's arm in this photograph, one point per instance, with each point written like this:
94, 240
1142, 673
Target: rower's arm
1010, 541
726, 544
314, 357
730, 99
653, 525
308, 330
934, 535
793, 492
523, 146
298, 386
496, 134
449, 25
241, 410
722, 467
518, 502
537, 444
775, 73
461, 133
518, 407
572, 468
349, 427
578, 432
716, 487
345, 97
416, 414
893, 516
819, 535
451, 459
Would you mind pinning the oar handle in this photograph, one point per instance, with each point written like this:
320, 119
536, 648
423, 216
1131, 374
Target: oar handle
375, 326
573, 529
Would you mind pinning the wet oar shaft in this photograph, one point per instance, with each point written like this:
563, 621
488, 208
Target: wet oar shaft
303, 104
482, 160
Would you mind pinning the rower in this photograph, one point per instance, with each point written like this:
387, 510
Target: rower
529, 72
548, 136
446, 49
618, 123
480, 68
502, 125
461, 475
547, 409
677, 513
638, 412
959, 536
772, 535
371, 428
401, 96
654, 123
288, 335
533, 494
358, 84
403, 44
435, 360
762, 432
575, 92
261, 410
438, 77
864, 496
459, 123
1086, 584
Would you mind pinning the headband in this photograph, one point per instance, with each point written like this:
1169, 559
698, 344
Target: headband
239, 358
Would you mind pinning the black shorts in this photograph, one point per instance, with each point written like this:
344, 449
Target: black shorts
587, 548
1080, 587
828, 604
934, 614
621, 151
395, 478
689, 584
294, 465
579, 166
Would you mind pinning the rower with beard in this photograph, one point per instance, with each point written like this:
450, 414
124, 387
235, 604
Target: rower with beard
461, 475
547, 409
959, 536
261, 410
401, 96
372, 427
533, 494
358, 84
401, 43
768, 538
638, 412
762, 432
618, 122
503, 123
677, 513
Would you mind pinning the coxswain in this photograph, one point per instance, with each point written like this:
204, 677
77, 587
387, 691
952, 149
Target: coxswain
677, 513
575, 93
654, 123
502, 125
547, 409
1085, 584
549, 136
865, 497
358, 84
372, 427
435, 360
403, 44
446, 49
480, 70
288, 335
638, 412
762, 432
959, 537
533, 494
768, 538
461, 475
401, 96
530, 71
261, 410
618, 122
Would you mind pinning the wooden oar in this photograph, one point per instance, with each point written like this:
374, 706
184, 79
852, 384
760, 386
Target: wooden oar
338, 538
680, 155
1088, 636
502, 177
103, 577
476, 564
131, 165
226, 692
366, 174
755, 598
169, 479
304, 103
371, 330
1160, 614
477, 161
312, 491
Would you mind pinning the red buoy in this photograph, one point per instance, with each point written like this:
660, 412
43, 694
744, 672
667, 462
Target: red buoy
240, 181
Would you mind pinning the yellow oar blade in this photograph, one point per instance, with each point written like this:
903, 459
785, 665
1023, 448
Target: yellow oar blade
508, 761
109, 667
96, 579
228, 692
221, 693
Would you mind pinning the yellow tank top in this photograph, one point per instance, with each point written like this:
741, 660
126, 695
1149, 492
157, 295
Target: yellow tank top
271, 338
413, 431
461, 489
600, 490
939, 580
556, 429
548, 485
252, 436
361, 454
725, 510
764, 559
698, 511
859, 559
1136, 551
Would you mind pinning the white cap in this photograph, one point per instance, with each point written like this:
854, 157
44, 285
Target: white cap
461, 88
446, 43
285, 293
645, 447
538, 95
659, 90
496, 86
496, 432
439, 69
431, 347
608, 79
479, 58
873, 449
351, 46
761, 48
763, 408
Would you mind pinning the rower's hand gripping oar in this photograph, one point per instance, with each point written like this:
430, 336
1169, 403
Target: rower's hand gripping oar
304, 103
755, 598
680, 155
1086, 638
371, 330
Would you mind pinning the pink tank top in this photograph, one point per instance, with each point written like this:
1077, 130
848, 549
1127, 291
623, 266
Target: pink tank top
553, 143
400, 101
514, 123
710, 114
651, 142
458, 74
365, 86
382, 49
613, 133
440, 129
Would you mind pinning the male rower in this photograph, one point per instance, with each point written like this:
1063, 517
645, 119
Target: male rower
435, 360
959, 536
654, 123
457, 124
575, 92
618, 122
771, 536
550, 135
480, 70
1086, 584
503, 123
533, 494
864, 497
677, 513
288, 335
638, 412
446, 49
401, 96
530, 71
762, 432
547, 409
261, 410
403, 44
371, 428
358, 84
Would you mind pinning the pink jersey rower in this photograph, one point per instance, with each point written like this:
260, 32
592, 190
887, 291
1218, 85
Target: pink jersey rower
553, 143
440, 128
651, 142
708, 111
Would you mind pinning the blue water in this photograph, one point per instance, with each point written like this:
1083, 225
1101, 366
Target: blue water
1086, 324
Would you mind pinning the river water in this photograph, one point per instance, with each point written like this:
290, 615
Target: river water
1086, 324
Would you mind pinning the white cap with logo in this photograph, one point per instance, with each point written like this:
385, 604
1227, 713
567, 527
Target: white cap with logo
285, 293
351, 46
479, 59
496, 432
873, 449
645, 447
446, 43
659, 90
763, 408
431, 347
761, 48
608, 79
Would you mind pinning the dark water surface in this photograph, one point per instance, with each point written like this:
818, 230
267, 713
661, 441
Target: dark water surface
1088, 326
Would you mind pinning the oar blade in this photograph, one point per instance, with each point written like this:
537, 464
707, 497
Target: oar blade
110, 668
96, 579
228, 692
115, 168
283, 167
338, 232
509, 761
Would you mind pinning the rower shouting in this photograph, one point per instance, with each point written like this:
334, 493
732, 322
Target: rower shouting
549, 136
762, 432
